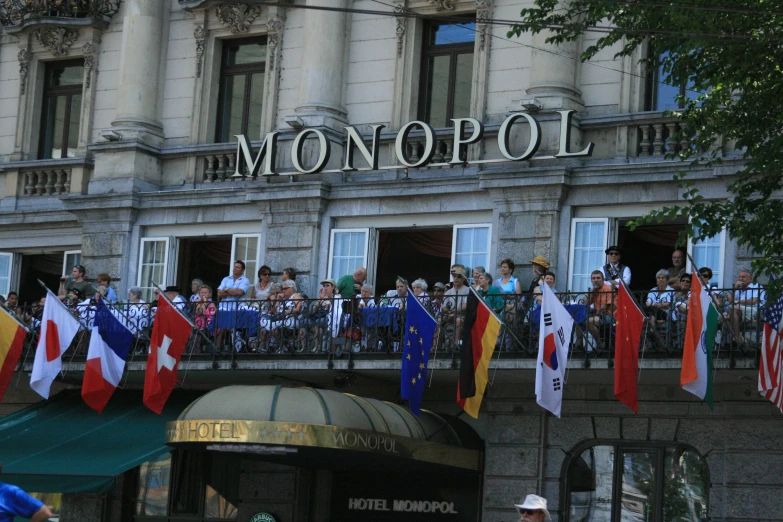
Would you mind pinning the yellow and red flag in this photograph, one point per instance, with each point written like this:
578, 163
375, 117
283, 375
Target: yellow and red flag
12, 336
479, 335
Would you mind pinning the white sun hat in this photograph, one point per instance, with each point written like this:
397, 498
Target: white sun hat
534, 502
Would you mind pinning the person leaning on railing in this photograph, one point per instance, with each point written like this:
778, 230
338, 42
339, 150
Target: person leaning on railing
491, 294
601, 311
745, 303
419, 287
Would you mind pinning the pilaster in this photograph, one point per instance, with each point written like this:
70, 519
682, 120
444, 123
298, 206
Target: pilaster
107, 222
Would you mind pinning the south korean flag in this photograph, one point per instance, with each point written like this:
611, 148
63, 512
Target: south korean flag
553, 343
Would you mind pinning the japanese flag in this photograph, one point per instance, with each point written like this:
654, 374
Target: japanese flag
553, 343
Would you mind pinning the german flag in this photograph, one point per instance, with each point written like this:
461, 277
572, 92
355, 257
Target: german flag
12, 336
479, 334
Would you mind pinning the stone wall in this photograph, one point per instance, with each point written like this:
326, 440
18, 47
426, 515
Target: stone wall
740, 440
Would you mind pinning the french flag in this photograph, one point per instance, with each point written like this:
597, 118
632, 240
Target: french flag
109, 346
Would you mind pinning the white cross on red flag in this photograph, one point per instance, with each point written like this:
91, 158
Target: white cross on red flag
170, 335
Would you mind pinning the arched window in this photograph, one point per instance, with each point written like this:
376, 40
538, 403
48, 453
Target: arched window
637, 482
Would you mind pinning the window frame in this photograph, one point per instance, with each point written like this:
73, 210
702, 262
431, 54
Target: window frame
164, 279
719, 271
239, 70
452, 50
66, 268
258, 262
654, 82
10, 256
455, 231
572, 246
48, 93
620, 447
333, 233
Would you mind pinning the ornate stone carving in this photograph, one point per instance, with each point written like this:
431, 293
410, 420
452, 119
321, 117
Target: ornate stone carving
483, 13
443, 5
90, 53
275, 28
402, 23
24, 64
17, 13
200, 35
56, 39
238, 17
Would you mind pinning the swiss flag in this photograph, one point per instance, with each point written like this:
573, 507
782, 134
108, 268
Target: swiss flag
170, 335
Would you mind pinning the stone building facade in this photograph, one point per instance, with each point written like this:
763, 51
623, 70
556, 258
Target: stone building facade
145, 97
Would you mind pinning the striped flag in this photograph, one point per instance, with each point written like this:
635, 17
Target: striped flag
479, 335
109, 346
770, 371
696, 373
12, 336
553, 343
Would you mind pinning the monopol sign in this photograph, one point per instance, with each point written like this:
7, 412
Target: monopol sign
265, 161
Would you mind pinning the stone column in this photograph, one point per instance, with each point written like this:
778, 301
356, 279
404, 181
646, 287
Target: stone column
554, 74
144, 32
323, 66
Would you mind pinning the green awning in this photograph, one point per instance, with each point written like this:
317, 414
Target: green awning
62, 446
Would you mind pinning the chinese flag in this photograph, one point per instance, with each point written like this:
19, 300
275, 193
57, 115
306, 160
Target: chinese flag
629, 321
170, 335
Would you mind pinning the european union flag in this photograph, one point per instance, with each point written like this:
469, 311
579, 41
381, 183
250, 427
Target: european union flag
419, 332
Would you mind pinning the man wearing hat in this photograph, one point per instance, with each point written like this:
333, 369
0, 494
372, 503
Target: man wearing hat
533, 509
455, 300
614, 270
174, 295
540, 266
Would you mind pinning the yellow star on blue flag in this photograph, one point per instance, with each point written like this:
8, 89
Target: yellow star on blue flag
419, 333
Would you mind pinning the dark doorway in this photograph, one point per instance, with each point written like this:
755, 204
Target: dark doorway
413, 254
646, 250
205, 258
46, 267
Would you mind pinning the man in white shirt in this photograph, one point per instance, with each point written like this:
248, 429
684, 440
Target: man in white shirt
173, 293
614, 270
745, 303
233, 288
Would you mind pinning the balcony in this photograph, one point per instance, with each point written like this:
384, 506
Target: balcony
16, 15
345, 334
46, 178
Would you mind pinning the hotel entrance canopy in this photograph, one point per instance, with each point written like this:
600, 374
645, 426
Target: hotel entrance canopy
321, 428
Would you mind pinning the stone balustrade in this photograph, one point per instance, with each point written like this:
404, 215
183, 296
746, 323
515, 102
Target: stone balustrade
219, 167
444, 148
660, 138
46, 182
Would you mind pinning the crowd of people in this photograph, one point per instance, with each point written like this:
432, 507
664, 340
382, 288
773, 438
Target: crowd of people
271, 315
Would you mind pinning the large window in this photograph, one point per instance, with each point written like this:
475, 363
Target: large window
241, 89
245, 247
447, 72
662, 96
348, 251
62, 106
588, 242
471, 247
6, 266
153, 265
640, 483
709, 252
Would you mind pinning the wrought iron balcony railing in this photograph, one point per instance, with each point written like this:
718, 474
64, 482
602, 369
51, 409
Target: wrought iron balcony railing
17, 13
353, 329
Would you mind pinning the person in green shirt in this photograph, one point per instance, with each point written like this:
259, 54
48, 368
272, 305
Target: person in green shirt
491, 294
349, 286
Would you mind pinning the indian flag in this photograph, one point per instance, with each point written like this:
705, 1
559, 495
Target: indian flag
696, 374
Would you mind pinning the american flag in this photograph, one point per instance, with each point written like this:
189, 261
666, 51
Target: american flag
771, 364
